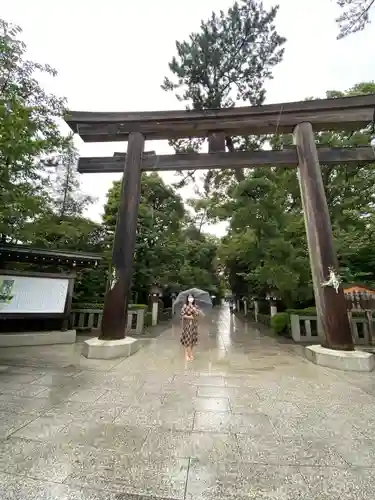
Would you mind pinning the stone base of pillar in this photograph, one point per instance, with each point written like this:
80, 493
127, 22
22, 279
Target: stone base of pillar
358, 361
110, 349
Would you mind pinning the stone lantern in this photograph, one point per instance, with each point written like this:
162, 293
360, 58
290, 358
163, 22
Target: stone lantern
271, 297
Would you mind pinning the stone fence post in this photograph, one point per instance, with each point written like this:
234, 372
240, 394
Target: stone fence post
155, 309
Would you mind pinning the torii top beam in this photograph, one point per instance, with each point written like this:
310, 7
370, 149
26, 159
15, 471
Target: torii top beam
324, 114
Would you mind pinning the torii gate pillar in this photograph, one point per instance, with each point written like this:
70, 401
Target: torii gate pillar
115, 312
331, 310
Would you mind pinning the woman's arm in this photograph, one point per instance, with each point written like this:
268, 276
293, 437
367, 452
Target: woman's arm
184, 315
199, 311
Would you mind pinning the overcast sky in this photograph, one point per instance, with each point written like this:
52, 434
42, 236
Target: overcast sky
113, 55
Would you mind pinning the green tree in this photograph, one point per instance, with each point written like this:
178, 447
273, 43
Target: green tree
160, 218
265, 250
170, 249
62, 224
229, 59
200, 263
227, 62
40, 200
29, 133
64, 184
355, 15
266, 246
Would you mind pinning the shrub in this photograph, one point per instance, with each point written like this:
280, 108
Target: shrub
308, 311
264, 318
88, 305
280, 323
311, 311
100, 305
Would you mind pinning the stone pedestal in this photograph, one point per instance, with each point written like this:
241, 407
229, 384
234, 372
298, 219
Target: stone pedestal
273, 309
256, 310
140, 313
341, 360
155, 310
110, 349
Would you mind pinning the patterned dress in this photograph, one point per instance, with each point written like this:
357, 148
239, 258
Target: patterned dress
189, 334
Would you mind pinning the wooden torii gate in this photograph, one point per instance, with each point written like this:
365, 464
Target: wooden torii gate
299, 118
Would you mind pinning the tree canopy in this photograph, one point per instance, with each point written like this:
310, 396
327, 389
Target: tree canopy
40, 199
265, 249
355, 15
41, 203
169, 249
29, 133
227, 62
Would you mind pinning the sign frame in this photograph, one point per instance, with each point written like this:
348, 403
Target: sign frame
31, 274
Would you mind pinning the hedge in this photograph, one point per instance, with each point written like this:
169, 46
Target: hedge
308, 311
265, 319
311, 311
280, 322
100, 305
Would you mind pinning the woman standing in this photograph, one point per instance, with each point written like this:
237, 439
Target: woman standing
189, 335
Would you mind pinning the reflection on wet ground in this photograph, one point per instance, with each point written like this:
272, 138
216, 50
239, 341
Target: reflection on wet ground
248, 418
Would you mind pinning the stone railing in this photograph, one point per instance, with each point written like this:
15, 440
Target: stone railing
306, 329
90, 319
360, 331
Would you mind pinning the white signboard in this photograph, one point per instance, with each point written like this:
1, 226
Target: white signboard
32, 295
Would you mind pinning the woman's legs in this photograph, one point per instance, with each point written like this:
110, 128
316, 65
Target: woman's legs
191, 353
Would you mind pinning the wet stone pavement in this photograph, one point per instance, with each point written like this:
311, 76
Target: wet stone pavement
247, 419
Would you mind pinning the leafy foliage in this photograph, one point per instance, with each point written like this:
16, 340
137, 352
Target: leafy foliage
40, 200
41, 203
266, 248
232, 54
64, 184
168, 250
28, 134
354, 17
280, 323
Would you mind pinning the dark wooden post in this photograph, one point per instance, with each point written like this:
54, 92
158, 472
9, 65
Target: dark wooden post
67, 322
331, 306
115, 313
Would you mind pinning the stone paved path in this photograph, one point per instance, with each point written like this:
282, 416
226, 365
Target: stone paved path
248, 419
